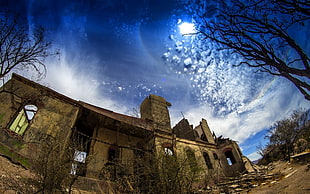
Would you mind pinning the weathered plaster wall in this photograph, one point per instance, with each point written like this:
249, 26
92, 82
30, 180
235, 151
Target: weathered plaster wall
6, 110
200, 148
54, 115
184, 130
238, 166
99, 150
155, 108
180, 145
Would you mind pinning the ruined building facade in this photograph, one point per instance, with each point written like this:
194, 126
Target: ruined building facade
29, 112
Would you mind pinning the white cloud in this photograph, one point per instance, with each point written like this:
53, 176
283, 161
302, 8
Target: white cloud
237, 102
254, 156
68, 79
248, 119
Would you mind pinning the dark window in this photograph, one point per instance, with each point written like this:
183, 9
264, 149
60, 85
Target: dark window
113, 154
139, 153
203, 137
113, 160
139, 161
230, 157
22, 120
215, 156
207, 160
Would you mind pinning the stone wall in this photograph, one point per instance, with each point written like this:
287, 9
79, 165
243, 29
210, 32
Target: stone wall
115, 141
55, 113
184, 130
205, 156
231, 157
124, 144
155, 108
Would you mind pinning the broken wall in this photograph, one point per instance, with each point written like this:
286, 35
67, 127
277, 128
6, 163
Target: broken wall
184, 130
54, 113
204, 131
123, 157
230, 154
155, 108
206, 156
115, 145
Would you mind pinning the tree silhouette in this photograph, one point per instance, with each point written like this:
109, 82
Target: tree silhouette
21, 46
285, 135
260, 31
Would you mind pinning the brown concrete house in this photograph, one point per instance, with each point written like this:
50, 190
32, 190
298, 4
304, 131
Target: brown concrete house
29, 111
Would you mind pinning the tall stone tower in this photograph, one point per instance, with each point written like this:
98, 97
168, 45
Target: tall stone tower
155, 108
204, 127
207, 131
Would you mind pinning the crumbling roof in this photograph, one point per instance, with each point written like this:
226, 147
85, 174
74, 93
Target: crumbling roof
48, 91
184, 130
134, 121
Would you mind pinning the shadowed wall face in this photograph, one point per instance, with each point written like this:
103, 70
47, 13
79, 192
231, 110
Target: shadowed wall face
155, 108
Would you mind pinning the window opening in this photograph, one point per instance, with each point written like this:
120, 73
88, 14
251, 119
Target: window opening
78, 167
207, 160
215, 156
230, 157
168, 151
229, 161
22, 120
113, 154
80, 156
138, 152
30, 111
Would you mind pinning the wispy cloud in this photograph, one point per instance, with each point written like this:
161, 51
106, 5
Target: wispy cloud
254, 156
66, 77
247, 120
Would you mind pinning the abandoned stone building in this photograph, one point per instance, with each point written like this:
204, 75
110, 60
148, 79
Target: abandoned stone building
29, 111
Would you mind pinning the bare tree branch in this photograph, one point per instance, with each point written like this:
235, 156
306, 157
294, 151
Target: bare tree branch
21, 47
259, 31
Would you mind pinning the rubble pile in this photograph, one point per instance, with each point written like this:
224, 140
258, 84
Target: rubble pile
249, 180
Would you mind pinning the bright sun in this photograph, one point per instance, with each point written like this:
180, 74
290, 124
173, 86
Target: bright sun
187, 28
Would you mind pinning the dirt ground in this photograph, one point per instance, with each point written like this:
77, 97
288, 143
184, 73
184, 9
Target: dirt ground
10, 174
295, 180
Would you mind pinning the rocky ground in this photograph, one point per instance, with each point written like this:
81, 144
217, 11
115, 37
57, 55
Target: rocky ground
279, 177
295, 179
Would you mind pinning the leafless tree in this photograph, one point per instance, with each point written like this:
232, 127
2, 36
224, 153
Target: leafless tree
21, 47
285, 133
261, 149
260, 31
52, 168
54, 164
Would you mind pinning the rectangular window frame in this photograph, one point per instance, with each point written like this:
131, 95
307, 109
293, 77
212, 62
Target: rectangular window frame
20, 123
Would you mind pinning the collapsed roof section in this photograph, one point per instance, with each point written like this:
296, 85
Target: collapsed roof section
200, 133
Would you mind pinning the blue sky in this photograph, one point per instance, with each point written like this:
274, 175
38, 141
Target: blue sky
115, 53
